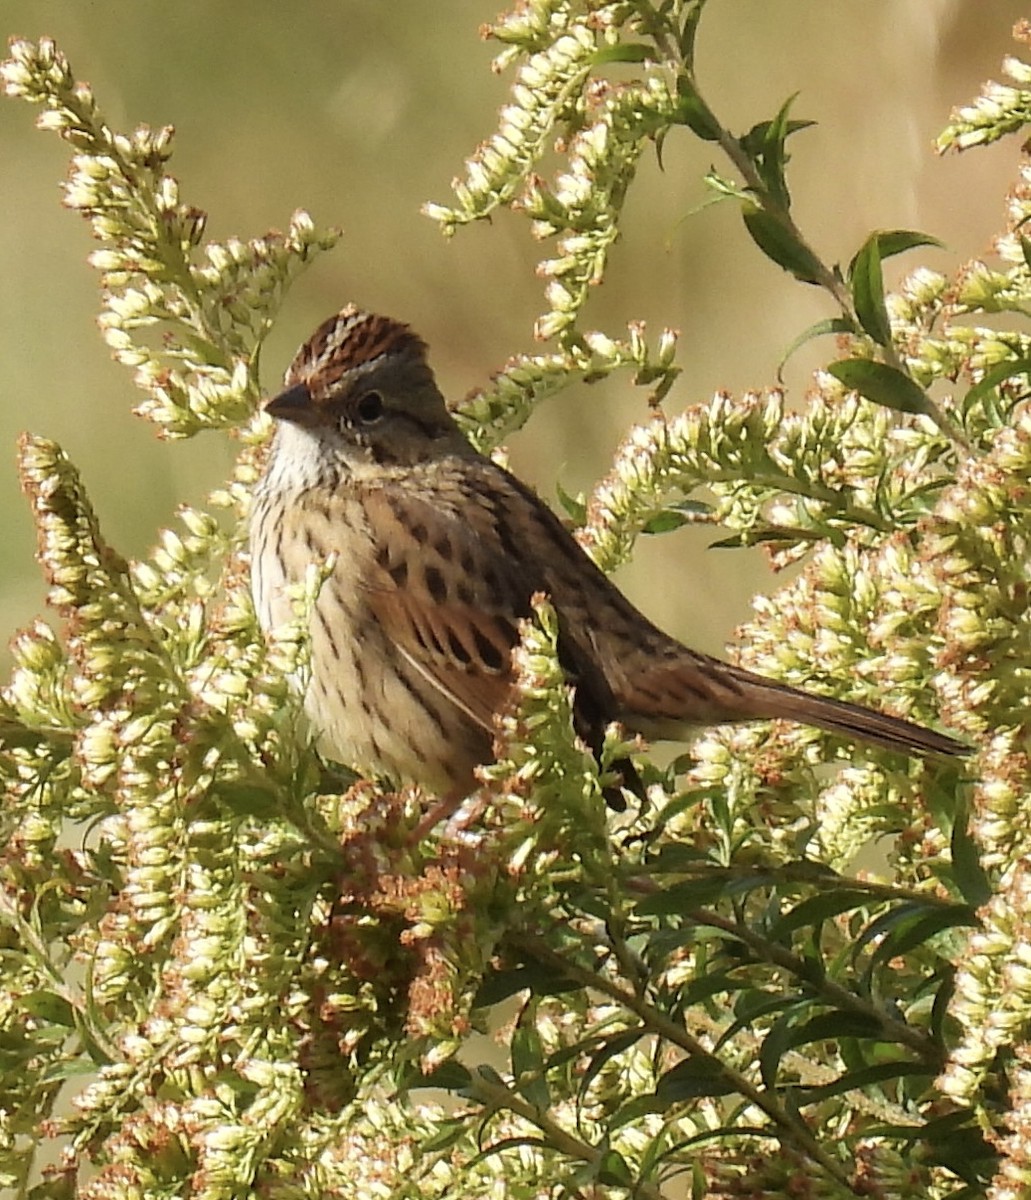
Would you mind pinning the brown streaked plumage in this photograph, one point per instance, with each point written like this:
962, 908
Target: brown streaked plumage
438, 552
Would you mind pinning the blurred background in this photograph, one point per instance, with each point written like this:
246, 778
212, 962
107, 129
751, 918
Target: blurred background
360, 112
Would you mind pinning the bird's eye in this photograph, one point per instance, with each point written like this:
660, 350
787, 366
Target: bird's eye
369, 408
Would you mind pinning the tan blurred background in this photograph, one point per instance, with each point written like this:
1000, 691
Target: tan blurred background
359, 111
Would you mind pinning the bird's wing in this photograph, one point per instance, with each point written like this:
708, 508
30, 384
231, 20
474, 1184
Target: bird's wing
450, 586
447, 596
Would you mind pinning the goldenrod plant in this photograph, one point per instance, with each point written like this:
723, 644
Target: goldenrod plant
228, 966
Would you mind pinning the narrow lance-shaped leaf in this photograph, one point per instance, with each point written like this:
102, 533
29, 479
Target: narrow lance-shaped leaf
896, 241
765, 146
881, 384
820, 907
689, 31
692, 1078
914, 932
817, 329
631, 52
1011, 368
863, 1078
867, 283
528, 1060
613, 1171
780, 244
969, 875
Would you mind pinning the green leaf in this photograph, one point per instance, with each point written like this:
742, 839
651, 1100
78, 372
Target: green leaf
786, 1033
922, 929
450, 1075
945, 802
880, 384
759, 535
249, 799
612, 1047
816, 909
693, 112
573, 505
752, 1005
942, 1000
906, 927
528, 1060
863, 1079
867, 284
998, 374
765, 146
682, 896
665, 521
953, 1140
450, 1132
511, 1143
62, 1070
689, 31
499, 985
970, 877
966, 1153
937, 1129
818, 329
613, 1170
659, 141
631, 52
755, 1003
48, 1007
779, 243
886, 922
834, 1027
704, 988
775, 1045
684, 512
691, 1079
541, 980
633, 1111
896, 241
766, 133
723, 187
675, 857
697, 509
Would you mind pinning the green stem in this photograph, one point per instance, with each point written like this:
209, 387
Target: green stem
833, 993
825, 277
792, 486
51, 975
168, 249
493, 1093
791, 1127
805, 874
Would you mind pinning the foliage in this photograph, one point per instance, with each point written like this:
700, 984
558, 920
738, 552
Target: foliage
246, 975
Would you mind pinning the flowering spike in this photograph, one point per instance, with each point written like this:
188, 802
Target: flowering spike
215, 309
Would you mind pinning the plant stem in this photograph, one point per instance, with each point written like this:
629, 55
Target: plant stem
669, 46
791, 1127
494, 1093
834, 993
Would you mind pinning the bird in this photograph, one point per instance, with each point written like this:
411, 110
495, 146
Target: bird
434, 554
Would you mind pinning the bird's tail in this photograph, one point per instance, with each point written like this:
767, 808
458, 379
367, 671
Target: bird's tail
691, 689
849, 720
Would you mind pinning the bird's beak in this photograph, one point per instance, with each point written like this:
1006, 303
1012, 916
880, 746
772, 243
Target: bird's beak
293, 405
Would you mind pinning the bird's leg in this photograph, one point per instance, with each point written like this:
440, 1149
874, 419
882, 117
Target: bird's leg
447, 807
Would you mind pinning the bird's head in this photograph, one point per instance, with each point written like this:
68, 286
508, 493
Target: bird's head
360, 395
